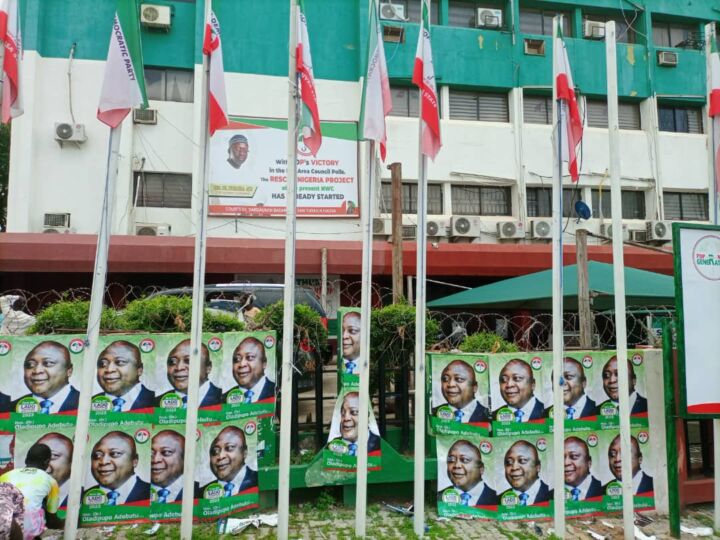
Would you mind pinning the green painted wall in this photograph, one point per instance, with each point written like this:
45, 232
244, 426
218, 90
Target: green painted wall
255, 41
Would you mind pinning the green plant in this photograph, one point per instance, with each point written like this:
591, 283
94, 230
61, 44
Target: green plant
487, 342
172, 314
71, 315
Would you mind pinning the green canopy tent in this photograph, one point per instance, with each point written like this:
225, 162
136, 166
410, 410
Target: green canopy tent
534, 291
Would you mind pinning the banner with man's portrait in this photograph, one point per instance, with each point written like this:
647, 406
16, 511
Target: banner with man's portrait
459, 394
582, 396
607, 388
584, 490
349, 332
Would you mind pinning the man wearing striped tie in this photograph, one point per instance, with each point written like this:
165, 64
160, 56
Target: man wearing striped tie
228, 453
248, 370
465, 470
522, 472
113, 461
167, 459
119, 368
580, 484
517, 387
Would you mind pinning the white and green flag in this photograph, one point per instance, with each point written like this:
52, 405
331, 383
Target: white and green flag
124, 84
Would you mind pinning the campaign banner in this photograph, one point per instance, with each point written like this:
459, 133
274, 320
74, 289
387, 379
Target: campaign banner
226, 468
584, 491
248, 375
582, 378
349, 329
610, 455
523, 476
459, 394
117, 479
170, 377
40, 376
464, 476
340, 452
520, 393
608, 387
167, 460
124, 382
248, 171
697, 289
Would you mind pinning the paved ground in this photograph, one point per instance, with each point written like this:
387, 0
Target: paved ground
322, 519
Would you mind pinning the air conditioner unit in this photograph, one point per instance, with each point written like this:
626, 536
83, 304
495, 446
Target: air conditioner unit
511, 229
640, 236
534, 47
465, 226
392, 12
382, 226
438, 226
152, 229
594, 30
65, 132
659, 230
488, 18
56, 220
145, 116
607, 230
541, 229
155, 16
667, 58
59, 230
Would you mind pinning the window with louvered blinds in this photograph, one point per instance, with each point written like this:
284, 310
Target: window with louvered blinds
163, 190
479, 106
537, 109
597, 114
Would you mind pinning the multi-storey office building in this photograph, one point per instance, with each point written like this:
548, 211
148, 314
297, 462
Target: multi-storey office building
489, 192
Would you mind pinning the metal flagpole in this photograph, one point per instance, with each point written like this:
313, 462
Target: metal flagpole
619, 280
93, 333
364, 401
557, 332
198, 304
286, 408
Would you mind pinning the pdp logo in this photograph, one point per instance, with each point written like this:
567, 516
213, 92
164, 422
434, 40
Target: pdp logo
147, 345
250, 428
706, 257
592, 440
536, 363
637, 359
5, 347
587, 361
541, 444
76, 345
142, 435
643, 437
269, 342
486, 447
215, 344
480, 366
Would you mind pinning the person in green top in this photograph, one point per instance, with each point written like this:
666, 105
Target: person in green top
40, 491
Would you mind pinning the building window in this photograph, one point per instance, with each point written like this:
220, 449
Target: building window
686, 206
481, 201
409, 198
537, 109
478, 106
633, 204
463, 13
162, 190
538, 22
412, 10
680, 119
539, 202
667, 34
628, 114
624, 33
166, 84
405, 101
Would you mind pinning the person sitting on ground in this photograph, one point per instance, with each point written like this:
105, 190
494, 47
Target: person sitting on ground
40, 491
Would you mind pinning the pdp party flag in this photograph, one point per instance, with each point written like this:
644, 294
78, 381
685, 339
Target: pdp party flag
424, 78
12, 59
217, 100
571, 129
378, 100
714, 104
309, 117
124, 84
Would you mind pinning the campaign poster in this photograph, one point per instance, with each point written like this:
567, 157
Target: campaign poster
248, 374
124, 381
642, 469
226, 468
581, 377
58, 434
340, 452
459, 394
520, 393
167, 461
349, 329
464, 476
607, 388
170, 377
523, 476
248, 171
117, 478
584, 492
40, 376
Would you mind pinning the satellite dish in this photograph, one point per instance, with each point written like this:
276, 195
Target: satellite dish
583, 210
